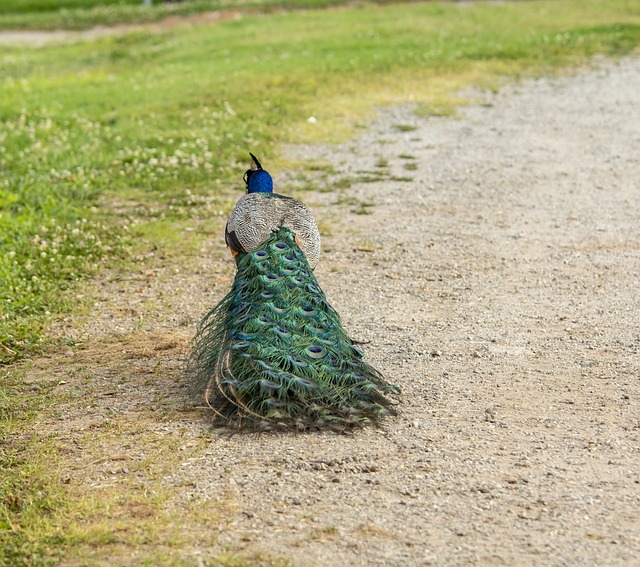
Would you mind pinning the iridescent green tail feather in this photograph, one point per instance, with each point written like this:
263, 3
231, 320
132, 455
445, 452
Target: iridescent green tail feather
273, 351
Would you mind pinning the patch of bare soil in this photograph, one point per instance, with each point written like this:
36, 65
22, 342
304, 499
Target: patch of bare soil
498, 287
40, 38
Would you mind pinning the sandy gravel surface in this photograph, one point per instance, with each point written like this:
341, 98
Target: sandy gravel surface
500, 288
502, 293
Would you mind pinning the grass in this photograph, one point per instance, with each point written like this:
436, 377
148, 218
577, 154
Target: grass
31, 6
115, 146
83, 14
404, 128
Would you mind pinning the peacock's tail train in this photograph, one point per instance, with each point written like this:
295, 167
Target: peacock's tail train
273, 351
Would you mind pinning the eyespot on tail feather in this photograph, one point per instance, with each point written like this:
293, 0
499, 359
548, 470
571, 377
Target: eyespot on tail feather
273, 353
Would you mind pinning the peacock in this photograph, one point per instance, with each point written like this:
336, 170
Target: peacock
273, 353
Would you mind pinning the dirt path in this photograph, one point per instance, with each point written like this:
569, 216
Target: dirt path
41, 38
499, 289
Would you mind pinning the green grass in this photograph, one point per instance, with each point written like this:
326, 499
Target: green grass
30, 6
28, 494
81, 14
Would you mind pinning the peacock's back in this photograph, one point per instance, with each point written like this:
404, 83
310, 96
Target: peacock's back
257, 215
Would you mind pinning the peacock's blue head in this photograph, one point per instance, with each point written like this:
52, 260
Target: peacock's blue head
257, 179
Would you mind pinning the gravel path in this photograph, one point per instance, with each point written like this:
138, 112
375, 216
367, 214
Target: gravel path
499, 288
42, 38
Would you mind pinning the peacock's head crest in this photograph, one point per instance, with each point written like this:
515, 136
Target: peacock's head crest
257, 179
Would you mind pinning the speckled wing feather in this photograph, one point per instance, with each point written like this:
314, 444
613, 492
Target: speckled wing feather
257, 216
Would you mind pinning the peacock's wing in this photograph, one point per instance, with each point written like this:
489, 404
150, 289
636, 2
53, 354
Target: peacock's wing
274, 351
257, 216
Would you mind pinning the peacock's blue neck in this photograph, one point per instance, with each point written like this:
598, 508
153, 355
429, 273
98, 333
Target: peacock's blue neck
260, 182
